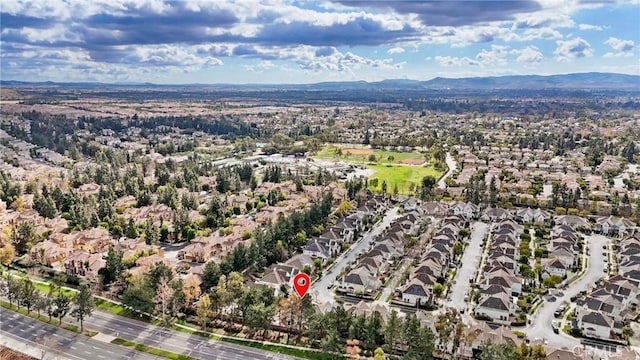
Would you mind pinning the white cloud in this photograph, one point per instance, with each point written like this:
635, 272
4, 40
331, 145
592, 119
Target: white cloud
496, 56
530, 54
623, 48
395, 50
572, 49
590, 27
455, 61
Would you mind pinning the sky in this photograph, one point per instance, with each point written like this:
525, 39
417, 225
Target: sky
307, 41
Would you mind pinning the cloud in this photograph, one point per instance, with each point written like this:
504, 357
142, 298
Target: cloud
495, 56
530, 54
395, 50
590, 27
572, 49
453, 13
623, 48
456, 61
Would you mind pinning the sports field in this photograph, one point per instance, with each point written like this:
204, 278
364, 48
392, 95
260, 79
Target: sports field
360, 155
401, 175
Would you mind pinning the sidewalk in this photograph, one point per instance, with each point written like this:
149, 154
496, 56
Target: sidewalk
31, 348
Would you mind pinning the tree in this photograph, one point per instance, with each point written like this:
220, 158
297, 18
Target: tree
7, 254
552, 281
62, 305
391, 330
139, 295
23, 236
164, 294
210, 275
204, 311
458, 248
42, 304
83, 305
113, 266
491, 351
191, 290
438, 290
12, 289
259, 317
428, 184
332, 343
28, 294
378, 354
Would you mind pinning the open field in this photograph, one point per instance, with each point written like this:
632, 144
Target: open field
361, 155
401, 175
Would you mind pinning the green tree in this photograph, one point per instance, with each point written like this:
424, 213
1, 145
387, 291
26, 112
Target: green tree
83, 305
259, 317
332, 343
62, 305
113, 267
28, 294
210, 275
491, 351
391, 331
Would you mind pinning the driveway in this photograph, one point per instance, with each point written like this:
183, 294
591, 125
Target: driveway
541, 321
319, 290
470, 262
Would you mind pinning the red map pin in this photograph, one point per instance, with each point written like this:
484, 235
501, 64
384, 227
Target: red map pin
301, 283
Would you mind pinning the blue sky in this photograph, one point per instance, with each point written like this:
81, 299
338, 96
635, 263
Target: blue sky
306, 41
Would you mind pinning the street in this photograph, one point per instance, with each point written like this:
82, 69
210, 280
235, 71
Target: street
470, 262
59, 342
541, 321
172, 340
319, 290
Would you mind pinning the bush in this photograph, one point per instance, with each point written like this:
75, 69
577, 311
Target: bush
519, 334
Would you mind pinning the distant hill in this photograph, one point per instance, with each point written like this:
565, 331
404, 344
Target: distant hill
582, 81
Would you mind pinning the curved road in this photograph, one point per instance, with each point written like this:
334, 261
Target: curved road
541, 322
453, 165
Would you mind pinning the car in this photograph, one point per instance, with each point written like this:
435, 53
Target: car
604, 247
554, 326
606, 269
557, 313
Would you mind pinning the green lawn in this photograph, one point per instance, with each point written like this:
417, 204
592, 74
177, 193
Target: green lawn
400, 175
359, 155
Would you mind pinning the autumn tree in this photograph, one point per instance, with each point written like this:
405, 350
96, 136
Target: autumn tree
204, 311
7, 254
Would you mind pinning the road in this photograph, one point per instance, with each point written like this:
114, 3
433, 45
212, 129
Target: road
541, 323
319, 290
59, 342
172, 340
451, 163
470, 262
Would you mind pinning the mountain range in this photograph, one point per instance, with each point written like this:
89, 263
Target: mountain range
582, 81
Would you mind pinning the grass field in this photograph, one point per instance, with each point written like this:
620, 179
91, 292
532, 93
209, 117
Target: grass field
401, 175
359, 155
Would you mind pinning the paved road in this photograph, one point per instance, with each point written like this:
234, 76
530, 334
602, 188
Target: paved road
541, 322
451, 163
470, 262
319, 290
17, 327
174, 341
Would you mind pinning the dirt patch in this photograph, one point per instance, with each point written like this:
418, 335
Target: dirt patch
412, 162
357, 151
